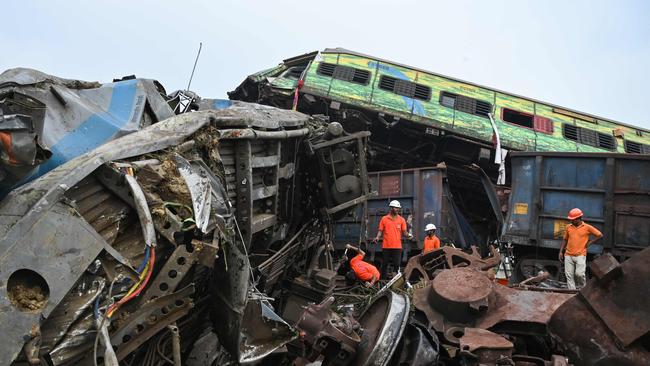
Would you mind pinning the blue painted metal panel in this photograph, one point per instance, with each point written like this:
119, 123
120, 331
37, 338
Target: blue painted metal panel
574, 172
633, 175
558, 203
521, 199
94, 131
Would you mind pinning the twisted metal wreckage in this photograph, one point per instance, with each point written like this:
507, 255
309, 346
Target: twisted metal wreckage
185, 230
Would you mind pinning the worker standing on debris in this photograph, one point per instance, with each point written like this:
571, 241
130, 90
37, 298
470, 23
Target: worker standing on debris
391, 227
576, 240
363, 271
431, 241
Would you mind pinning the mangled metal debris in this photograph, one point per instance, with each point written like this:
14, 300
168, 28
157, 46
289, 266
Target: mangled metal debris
201, 234
164, 226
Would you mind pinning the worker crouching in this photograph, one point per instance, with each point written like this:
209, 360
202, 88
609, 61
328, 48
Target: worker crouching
363, 271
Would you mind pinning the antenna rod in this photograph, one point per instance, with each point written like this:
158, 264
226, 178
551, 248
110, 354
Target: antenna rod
194, 68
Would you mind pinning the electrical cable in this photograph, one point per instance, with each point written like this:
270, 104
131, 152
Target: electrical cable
101, 324
139, 286
145, 260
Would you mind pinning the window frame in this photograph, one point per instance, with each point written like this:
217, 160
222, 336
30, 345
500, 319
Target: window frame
415, 86
474, 101
534, 118
354, 70
644, 149
580, 140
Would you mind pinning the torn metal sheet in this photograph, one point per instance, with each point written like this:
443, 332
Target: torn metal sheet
200, 190
263, 332
607, 323
39, 266
34, 214
71, 117
19, 145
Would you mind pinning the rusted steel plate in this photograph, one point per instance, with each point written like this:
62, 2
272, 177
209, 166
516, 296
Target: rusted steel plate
623, 303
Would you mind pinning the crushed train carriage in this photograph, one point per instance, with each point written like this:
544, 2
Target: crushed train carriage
204, 202
206, 236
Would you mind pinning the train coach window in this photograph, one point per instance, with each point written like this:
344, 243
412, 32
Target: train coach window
636, 148
465, 104
518, 118
606, 141
539, 124
405, 87
589, 137
294, 72
448, 100
345, 73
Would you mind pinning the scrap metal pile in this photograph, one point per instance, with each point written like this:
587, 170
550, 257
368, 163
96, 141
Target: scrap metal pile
146, 229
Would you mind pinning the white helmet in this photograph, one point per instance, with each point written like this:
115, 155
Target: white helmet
395, 203
430, 227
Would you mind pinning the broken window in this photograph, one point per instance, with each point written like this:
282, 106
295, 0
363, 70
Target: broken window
294, 72
636, 148
540, 124
405, 87
465, 104
516, 117
589, 137
345, 73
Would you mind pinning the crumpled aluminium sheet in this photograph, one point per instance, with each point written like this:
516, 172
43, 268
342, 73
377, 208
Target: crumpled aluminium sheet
78, 117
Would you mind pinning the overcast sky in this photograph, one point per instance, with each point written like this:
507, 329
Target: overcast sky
593, 56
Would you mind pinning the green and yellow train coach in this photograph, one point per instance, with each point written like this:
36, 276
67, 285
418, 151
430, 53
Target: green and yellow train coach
338, 78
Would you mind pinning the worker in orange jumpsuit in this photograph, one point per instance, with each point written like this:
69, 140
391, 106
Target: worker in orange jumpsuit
576, 241
363, 271
431, 241
391, 228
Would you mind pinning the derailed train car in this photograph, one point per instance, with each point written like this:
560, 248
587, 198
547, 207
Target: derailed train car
419, 118
134, 243
205, 238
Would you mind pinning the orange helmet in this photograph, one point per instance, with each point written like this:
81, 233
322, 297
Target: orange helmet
575, 213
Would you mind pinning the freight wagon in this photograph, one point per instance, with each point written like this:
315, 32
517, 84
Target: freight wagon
426, 196
613, 191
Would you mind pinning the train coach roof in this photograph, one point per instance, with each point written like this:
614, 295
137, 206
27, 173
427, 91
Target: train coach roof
354, 53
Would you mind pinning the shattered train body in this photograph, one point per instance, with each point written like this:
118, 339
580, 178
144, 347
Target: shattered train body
146, 229
194, 220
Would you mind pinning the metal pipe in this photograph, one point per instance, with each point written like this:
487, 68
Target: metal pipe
176, 344
249, 133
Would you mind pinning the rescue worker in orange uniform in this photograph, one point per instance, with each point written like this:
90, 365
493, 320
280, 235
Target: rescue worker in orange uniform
363, 271
391, 228
576, 241
431, 241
